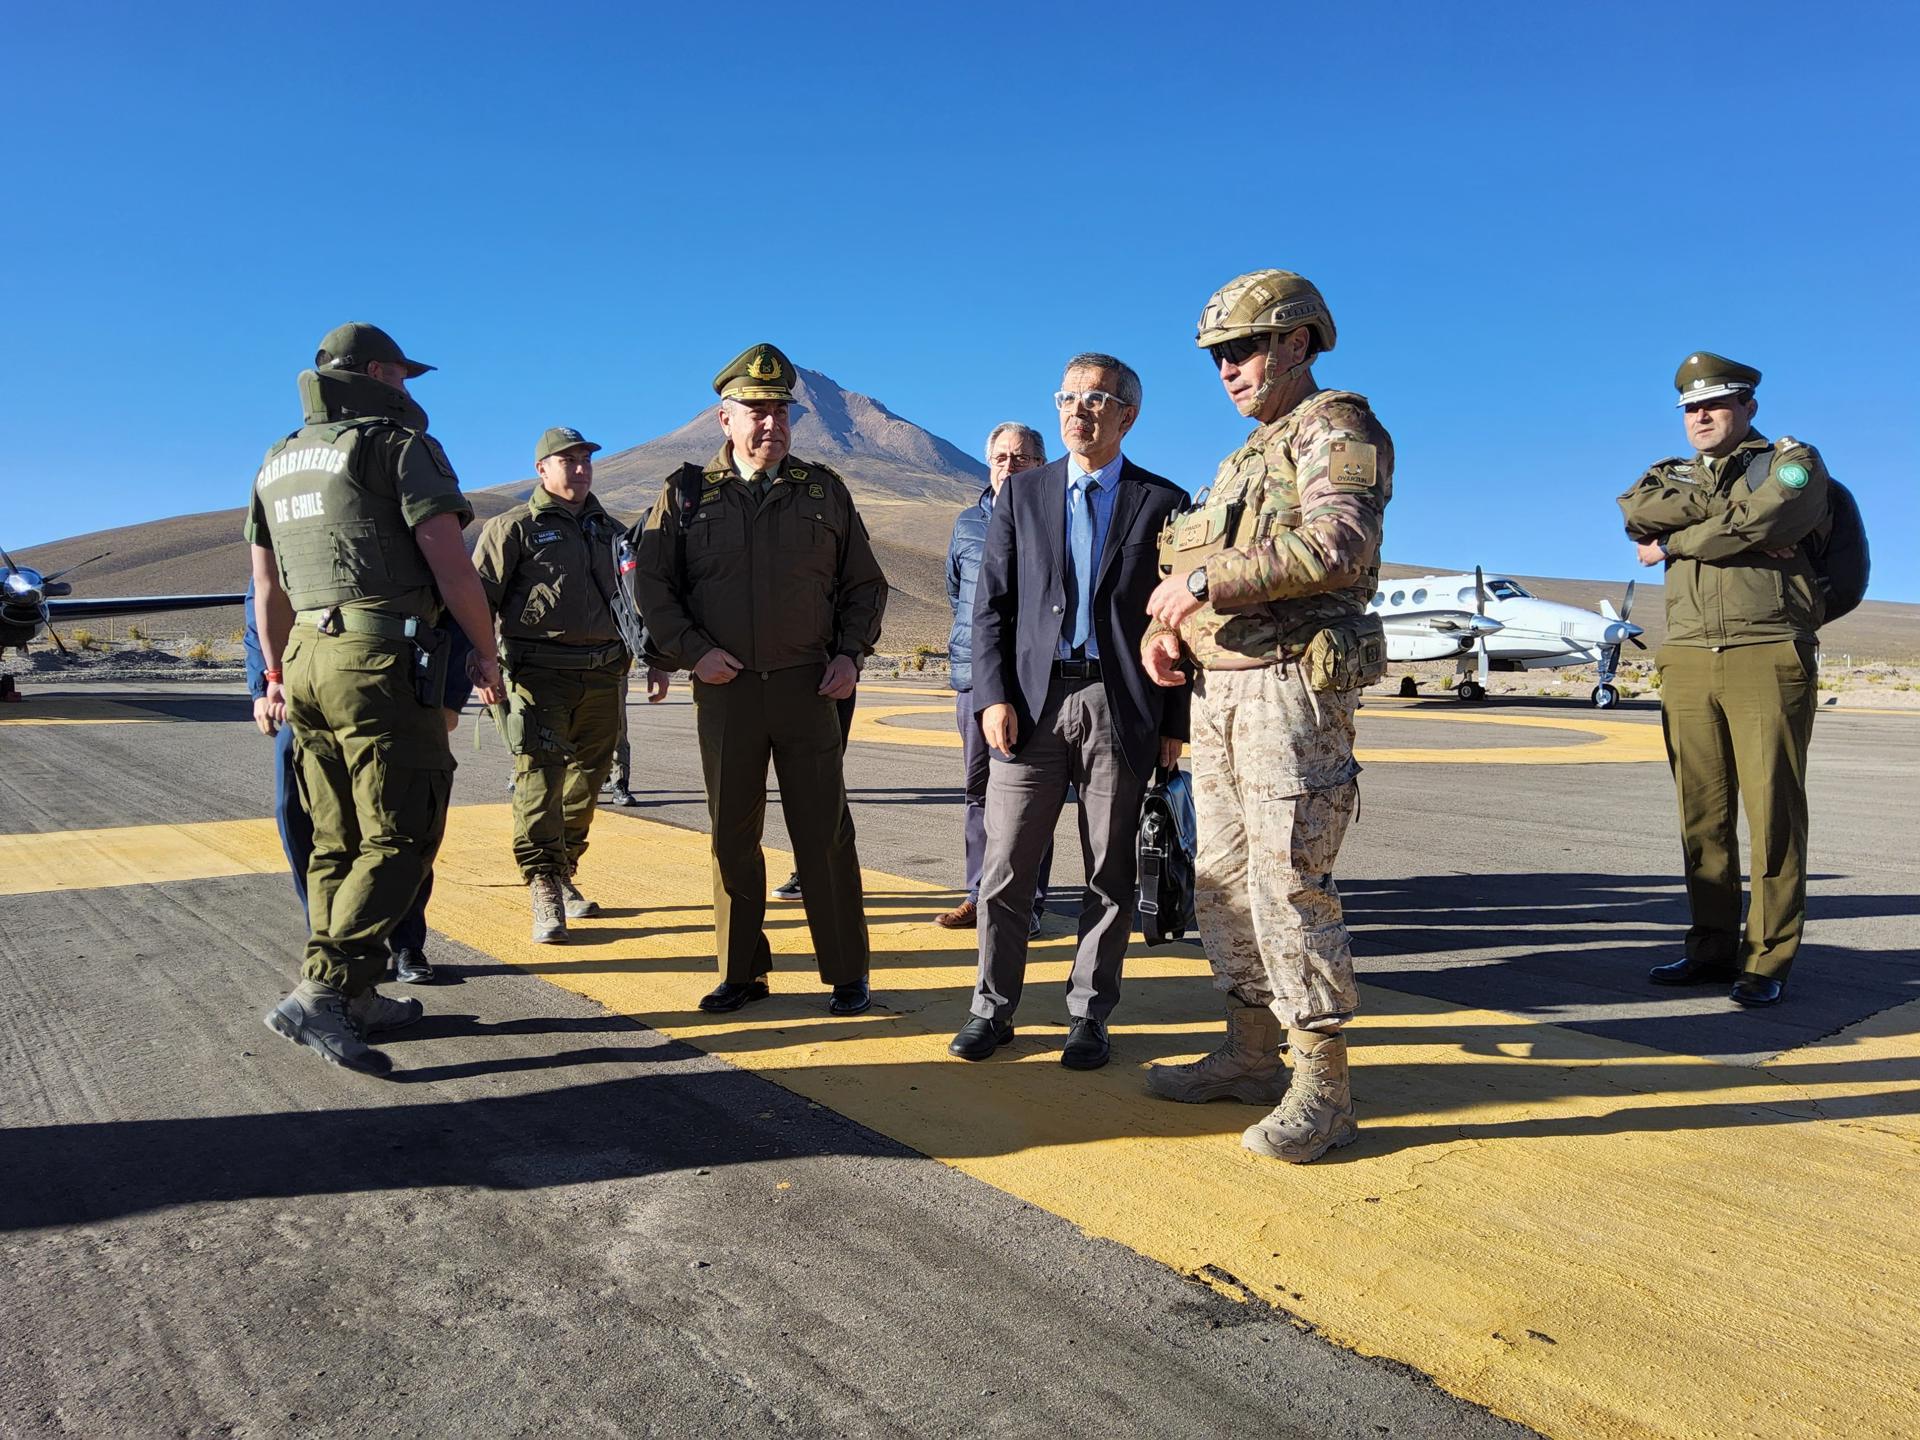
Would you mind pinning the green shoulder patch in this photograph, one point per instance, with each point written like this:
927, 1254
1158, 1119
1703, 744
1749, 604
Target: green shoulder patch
1794, 476
438, 455
1353, 466
797, 472
816, 492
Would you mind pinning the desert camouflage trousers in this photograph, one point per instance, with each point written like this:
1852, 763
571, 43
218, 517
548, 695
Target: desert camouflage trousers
1273, 790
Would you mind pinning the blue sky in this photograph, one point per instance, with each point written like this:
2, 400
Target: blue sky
1523, 217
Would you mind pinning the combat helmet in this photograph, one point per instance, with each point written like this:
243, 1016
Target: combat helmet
1265, 302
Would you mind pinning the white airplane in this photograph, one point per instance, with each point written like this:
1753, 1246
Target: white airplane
1497, 624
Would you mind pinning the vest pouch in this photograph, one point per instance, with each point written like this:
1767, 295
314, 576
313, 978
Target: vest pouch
1187, 540
1347, 655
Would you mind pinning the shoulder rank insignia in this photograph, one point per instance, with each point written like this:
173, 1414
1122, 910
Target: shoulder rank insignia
797, 472
1350, 463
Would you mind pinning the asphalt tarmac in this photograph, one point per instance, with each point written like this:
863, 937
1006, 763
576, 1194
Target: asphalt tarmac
561, 1219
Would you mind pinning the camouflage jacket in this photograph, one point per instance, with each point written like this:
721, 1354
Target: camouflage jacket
1722, 586
1311, 490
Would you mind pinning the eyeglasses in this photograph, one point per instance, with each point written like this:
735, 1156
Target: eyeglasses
1016, 462
1237, 352
1093, 401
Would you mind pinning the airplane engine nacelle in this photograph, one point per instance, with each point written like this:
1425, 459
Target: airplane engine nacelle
1427, 647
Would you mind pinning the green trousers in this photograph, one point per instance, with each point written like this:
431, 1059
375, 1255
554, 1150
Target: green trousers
779, 715
574, 722
1737, 723
374, 770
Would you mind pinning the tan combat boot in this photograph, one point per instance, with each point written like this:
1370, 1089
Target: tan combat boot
315, 1015
578, 906
549, 911
374, 1014
1246, 1068
1317, 1115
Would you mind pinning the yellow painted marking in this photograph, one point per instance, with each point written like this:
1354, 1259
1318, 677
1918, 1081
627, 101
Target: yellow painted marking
137, 855
1609, 742
1591, 1237
73, 710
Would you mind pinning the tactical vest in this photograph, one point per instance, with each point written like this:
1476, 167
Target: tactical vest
1254, 496
339, 534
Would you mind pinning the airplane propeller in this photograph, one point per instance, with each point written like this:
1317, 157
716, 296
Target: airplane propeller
1619, 633
1480, 641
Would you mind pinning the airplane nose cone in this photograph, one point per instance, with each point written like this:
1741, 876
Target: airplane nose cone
1484, 625
1619, 633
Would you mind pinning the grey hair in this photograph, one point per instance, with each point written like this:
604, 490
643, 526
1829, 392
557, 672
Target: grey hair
1128, 381
1026, 434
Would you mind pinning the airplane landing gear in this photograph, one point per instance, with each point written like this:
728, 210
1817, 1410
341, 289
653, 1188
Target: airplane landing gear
1470, 690
1605, 697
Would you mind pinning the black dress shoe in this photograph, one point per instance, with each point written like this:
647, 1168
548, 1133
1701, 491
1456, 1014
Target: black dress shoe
1756, 990
732, 994
1692, 972
410, 967
1086, 1047
980, 1037
850, 999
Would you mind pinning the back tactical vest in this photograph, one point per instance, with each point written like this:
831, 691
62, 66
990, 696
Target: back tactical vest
339, 534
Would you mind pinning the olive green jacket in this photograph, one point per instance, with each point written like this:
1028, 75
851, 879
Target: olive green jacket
785, 581
1723, 588
548, 572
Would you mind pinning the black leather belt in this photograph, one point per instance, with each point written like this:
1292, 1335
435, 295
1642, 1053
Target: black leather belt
1087, 669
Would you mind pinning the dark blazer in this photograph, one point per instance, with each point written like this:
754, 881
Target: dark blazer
1019, 605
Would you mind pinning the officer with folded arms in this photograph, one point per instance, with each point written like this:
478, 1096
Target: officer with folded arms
355, 528
551, 572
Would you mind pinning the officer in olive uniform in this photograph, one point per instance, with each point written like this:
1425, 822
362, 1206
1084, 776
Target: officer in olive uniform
756, 574
1266, 598
1738, 671
551, 572
355, 529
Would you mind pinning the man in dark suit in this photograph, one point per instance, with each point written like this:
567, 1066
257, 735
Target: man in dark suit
1063, 699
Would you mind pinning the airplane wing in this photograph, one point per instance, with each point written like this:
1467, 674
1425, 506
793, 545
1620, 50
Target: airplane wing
135, 605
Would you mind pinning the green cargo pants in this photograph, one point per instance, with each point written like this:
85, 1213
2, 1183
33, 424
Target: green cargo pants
374, 771
573, 723
779, 715
1737, 723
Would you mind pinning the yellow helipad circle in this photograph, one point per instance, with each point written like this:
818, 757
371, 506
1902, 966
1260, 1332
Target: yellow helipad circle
1607, 742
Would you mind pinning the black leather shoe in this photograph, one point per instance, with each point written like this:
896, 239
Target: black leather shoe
410, 967
731, 995
1756, 990
1086, 1047
851, 998
1692, 972
980, 1037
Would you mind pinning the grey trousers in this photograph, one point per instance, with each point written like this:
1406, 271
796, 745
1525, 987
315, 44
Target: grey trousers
974, 746
1073, 744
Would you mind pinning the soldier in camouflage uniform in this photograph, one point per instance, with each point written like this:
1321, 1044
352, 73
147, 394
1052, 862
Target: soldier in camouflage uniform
355, 532
1265, 599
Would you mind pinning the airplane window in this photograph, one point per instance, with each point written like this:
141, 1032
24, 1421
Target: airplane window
1399, 596
1466, 596
1419, 597
1505, 590
1381, 598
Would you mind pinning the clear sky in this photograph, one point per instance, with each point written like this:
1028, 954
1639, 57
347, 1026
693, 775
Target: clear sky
1523, 216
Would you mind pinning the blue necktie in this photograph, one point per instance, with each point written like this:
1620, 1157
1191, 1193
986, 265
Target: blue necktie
1080, 560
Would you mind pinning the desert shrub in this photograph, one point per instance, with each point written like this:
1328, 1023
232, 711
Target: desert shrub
86, 639
199, 650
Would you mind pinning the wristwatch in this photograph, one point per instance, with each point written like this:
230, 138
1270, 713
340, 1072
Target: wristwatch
1197, 582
